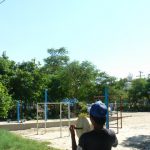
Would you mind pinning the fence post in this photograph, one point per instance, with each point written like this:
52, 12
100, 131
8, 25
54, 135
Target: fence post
106, 103
18, 111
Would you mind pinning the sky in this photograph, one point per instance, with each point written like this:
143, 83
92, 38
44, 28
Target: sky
114, 35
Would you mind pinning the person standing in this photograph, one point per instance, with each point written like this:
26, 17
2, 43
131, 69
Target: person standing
99, 138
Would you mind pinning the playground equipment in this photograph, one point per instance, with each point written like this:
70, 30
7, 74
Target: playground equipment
45, 109
20, 107
115, 116
18, 111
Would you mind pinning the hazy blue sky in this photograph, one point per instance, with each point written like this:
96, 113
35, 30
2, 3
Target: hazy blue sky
113, 34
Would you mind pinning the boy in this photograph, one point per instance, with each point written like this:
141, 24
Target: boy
99, 138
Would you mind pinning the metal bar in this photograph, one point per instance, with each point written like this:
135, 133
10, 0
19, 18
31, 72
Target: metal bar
121, 111
53, 103
61, 103
45, 120
60, 120
45, 104
113, 124
37, 118
117, 121
106, 102
18, 111
69, 115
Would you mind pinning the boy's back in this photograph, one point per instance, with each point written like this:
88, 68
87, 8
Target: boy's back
102, 139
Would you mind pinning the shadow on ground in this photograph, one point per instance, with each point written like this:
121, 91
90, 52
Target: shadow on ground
140, 142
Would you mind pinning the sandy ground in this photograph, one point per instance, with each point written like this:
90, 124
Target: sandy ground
135, 134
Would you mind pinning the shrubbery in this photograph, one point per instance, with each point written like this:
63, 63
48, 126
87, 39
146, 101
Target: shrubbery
136, 108
5, 102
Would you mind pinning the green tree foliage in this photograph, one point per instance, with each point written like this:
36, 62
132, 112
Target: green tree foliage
88, 77
7, 69
79, 80
55, 88
137, 91
5, 101
147, 91
57, 60
102, 81
54, 64
28, 66
71, 79
117, 90
28, 82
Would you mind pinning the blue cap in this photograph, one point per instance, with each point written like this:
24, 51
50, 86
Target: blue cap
98, 109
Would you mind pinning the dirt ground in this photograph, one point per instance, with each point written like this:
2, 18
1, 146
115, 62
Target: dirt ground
135, 134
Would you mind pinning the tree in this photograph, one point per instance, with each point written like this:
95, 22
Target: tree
78, 80
28, 66
29, 82
58, 59
89, 74
5, 101
7, 69
54, 64
117, 90
147, 90
137, 91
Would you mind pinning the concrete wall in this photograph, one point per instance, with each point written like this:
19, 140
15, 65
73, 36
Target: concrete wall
27, 125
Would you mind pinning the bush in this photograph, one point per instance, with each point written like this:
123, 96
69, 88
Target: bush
81, 108
5, 101
136, 108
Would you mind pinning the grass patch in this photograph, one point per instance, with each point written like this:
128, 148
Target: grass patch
10, 141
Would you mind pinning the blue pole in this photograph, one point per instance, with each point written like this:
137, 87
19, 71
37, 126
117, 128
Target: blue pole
46, 105
18, 111
106, 103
